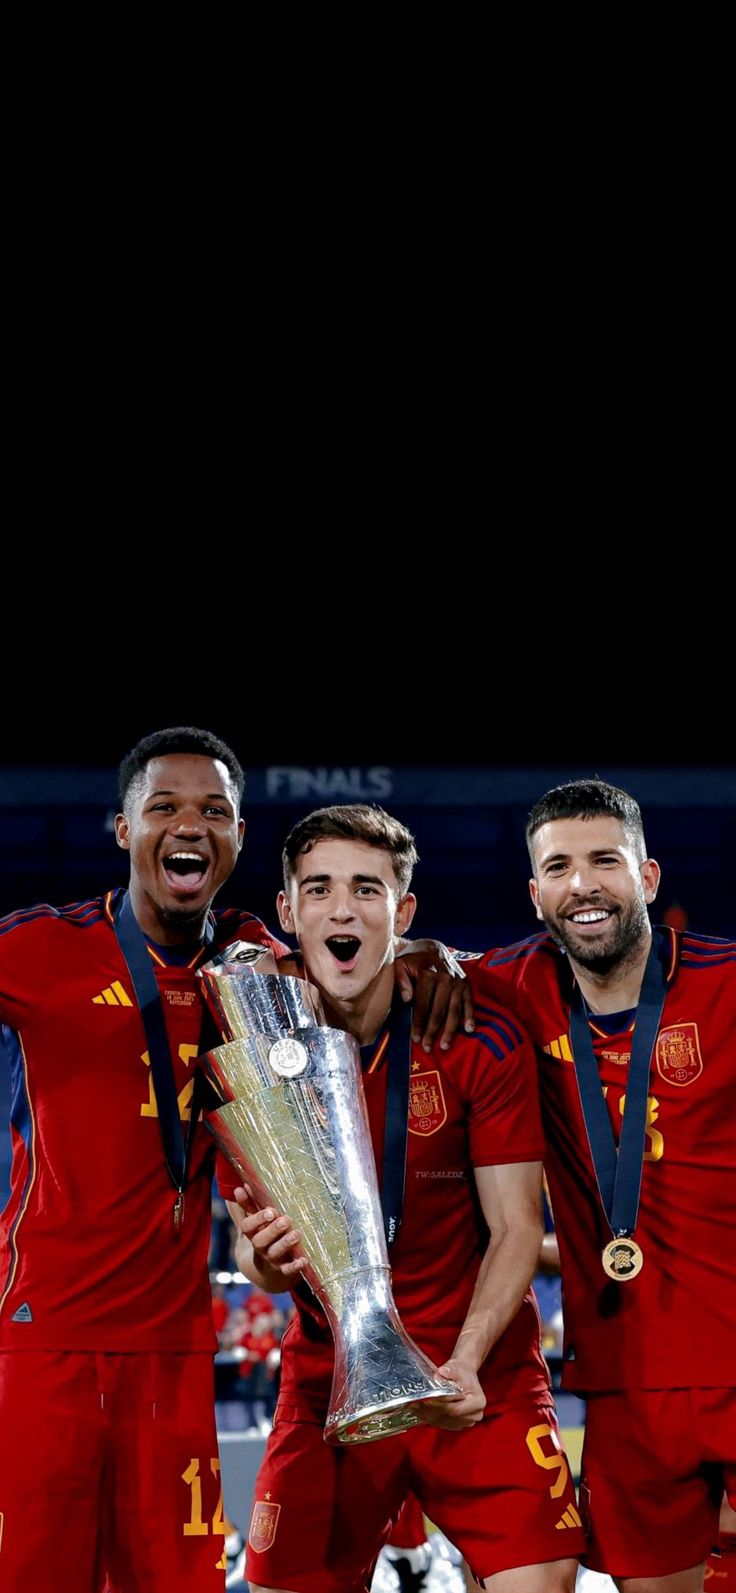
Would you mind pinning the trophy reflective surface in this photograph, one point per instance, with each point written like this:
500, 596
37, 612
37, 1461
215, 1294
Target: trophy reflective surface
293, 1122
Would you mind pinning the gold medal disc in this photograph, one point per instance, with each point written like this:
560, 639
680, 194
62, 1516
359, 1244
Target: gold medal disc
622, 1258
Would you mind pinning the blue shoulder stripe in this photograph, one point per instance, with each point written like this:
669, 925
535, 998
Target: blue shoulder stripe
718, 942
490, 1045
688, 959
502, 1022
522, 948
27, 916
83, 912
80, 913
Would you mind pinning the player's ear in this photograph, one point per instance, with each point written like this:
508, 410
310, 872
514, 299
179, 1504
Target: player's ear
404, 913
651, 874
534, 893
122, 831
286, 917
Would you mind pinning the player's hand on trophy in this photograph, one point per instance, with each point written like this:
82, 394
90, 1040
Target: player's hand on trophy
463, 1410
264, 1249
427, 974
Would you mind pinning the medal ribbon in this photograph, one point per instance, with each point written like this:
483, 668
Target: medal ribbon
133, 945
618, 1172
396, 1128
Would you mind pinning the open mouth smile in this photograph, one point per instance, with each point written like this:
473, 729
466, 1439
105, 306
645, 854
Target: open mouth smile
344, 949
185, 872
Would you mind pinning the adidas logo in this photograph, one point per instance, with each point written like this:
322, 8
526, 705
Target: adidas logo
23, 1313
113, 996
559, 1048
569, 1519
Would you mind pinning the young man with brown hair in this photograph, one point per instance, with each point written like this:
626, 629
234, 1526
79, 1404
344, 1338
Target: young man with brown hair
487, 1465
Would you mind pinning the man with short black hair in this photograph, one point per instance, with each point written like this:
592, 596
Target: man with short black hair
108, 1459
634, 1033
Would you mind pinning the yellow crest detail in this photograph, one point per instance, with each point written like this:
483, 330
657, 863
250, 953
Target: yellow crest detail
678, 1054
427, 1109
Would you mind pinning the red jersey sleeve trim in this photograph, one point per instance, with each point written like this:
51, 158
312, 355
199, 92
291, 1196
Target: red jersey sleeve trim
28, 1188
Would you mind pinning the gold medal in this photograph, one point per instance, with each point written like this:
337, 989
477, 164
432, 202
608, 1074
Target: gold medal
622, 1258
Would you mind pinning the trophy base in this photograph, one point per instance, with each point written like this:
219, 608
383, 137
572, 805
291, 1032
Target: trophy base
382, 1422
381, 1376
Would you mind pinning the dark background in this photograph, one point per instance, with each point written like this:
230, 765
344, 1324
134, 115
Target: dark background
349, 705
57, 842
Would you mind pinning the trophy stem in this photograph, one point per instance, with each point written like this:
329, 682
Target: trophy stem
380, 1374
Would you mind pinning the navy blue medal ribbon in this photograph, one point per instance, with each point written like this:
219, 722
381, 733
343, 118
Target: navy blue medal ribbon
177, 1149
396, 1126
618, 1172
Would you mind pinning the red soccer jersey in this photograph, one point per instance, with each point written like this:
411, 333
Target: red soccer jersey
89, 1258
674, 1325
473, 1106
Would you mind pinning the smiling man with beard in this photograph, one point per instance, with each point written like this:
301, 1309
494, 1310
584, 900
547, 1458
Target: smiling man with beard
635, 1034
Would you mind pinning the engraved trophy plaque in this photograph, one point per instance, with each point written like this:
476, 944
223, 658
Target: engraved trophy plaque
294, 1124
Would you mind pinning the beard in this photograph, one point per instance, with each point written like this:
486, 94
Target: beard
619, 940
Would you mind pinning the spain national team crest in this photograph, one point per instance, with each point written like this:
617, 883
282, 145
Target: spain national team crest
678, 1054
427, 1110
263, 1524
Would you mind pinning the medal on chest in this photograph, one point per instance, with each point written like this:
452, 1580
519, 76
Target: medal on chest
618, 1169
622, 1258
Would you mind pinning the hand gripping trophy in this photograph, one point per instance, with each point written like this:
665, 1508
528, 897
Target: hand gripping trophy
293, 1122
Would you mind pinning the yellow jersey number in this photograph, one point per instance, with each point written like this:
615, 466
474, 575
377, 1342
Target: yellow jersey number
184, 1098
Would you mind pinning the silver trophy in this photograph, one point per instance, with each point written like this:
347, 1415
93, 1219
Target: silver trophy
294, 1124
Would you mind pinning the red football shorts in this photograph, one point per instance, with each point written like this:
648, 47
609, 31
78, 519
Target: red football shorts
655, 1465
409, 1530
108, 1463
500, 1491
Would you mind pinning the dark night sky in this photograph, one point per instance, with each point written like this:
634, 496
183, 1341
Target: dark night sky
379, 669
401, 714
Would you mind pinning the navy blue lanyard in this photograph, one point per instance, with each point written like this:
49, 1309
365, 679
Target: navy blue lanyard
618, 1172
395, 1133
177, 1149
